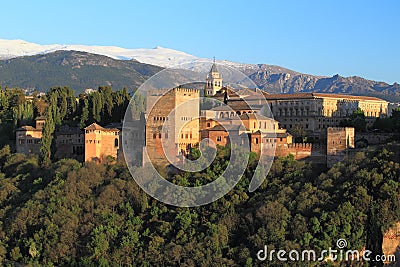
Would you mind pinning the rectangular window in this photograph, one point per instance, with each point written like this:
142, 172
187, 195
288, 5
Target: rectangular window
219, 138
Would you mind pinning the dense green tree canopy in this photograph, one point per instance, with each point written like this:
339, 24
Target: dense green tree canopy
73, 214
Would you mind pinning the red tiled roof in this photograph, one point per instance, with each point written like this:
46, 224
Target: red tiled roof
288, 96
225, 128
240, 105
221, 92
318, 95
28, 128
236, 105
65, 129
95, 126
347, 96
254, 116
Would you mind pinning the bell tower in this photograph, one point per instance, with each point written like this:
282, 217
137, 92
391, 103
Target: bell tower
213, 81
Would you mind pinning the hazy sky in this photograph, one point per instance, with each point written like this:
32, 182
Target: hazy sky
317, 37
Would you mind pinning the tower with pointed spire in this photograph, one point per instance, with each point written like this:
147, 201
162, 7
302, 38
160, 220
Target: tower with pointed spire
213, 81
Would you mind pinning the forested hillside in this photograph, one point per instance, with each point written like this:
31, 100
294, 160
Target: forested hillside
74, 69
73, 214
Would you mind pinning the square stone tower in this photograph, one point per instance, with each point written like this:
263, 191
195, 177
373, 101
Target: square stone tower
101, 142
172, 124
339, 141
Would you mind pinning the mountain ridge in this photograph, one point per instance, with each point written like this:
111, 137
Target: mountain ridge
120, 67
160, 56
78, 70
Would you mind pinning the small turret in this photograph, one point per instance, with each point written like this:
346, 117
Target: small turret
40, 121
213, 81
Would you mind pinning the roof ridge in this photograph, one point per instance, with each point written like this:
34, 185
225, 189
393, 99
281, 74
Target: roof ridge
94, 126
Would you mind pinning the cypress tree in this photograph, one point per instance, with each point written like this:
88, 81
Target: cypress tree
53, 118
85, 114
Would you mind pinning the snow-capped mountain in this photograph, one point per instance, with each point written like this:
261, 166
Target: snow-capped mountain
272, 79
159, 56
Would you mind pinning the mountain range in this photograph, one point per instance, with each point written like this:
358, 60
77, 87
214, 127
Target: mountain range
39, 67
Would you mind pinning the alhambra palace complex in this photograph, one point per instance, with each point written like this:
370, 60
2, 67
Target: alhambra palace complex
243, 115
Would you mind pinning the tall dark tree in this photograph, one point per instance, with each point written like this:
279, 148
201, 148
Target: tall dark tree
84, 116
107, 101
96, 106
356, 120
47, 136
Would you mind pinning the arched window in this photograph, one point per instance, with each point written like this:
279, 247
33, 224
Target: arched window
116, 142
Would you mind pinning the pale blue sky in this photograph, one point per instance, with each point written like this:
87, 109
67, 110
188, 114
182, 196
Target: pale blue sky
318, 37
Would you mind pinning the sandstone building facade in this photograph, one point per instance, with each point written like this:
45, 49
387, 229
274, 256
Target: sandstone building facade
101, 143
28, 138
172, 123
169, 119
70, 143
339, 141
311, 112
315, 112
94, 143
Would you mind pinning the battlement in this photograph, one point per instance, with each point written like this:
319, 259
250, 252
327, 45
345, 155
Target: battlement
300, 145
158, 93
303, 151
339, 129
186, 90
